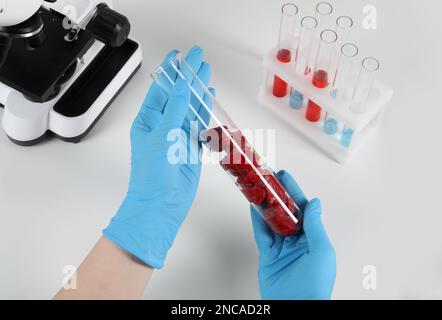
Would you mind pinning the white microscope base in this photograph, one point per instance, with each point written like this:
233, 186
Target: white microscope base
27, 123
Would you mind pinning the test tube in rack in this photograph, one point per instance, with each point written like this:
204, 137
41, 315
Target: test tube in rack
323, 12
361, 95
286, 43
344, 102
364, 85
323, 15
344, 25
225, 140
343, 83
303, 58
325, 69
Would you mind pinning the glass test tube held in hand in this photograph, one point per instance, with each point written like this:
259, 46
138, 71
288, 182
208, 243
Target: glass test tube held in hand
286, 43
324, 70
225, 142
343, 82
303, 56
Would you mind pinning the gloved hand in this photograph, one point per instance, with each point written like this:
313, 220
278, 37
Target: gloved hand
300, 267
160, 192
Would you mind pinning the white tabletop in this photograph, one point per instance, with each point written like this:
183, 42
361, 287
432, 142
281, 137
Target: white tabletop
381, 209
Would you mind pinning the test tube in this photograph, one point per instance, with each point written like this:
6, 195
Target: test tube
5, 46
344, 25
324, 70
324, 12
342, 83
303, 56
346, 137
224, 140
286, 44
364, 85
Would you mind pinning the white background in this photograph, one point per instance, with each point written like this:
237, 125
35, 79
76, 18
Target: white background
382, 209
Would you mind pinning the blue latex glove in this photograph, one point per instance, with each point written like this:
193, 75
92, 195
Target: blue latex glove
160, 193
299, 267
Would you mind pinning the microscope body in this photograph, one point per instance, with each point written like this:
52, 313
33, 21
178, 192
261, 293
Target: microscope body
82, 60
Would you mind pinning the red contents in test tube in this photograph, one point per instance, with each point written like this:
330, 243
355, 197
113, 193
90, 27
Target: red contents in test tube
320, 80
279, 85
250, 183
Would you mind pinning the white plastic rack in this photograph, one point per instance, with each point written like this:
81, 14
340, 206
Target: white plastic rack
363, 125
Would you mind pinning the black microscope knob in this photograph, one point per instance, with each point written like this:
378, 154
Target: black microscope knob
109, 26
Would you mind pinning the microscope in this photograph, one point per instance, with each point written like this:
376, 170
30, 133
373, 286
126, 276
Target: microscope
62, 64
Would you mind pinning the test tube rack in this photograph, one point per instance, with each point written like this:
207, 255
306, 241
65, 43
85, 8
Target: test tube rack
363, 125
